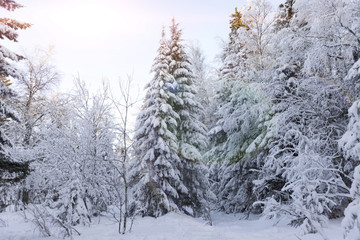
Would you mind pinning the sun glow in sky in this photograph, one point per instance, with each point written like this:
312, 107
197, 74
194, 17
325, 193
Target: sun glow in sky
99, 39
89, 21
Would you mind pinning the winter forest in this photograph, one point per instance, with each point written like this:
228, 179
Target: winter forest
271, 132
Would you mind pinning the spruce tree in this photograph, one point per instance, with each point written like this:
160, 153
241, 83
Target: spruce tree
10, 171
191, 132
156, 171
234, 54
169, 141
350, 144
159, 182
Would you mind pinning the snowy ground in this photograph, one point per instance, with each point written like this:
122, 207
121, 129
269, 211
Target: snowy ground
174, 227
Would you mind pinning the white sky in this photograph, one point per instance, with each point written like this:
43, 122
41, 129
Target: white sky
113, 38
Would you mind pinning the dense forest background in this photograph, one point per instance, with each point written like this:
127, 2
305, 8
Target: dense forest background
275, 130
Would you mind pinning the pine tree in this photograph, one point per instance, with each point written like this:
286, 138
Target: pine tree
170, 138
235, 53
241, 114
162, 60
191, 132
352, 212
10, 171
156, 174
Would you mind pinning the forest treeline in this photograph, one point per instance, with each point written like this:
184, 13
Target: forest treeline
274, 130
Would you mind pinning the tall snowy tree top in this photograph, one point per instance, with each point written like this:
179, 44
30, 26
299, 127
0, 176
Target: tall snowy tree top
162, 60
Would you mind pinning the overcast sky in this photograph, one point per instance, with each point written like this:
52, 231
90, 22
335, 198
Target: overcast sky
113, 38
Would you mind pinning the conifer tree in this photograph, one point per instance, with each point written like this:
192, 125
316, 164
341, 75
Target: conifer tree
7, 166
156, 173
233, 58
350, 145
191, 132
170, 138
234, 53
243, 121
8, 29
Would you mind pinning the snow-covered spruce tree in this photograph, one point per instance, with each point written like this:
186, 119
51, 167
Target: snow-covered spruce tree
169, 173
234, 53
155, 173
10, 170
191, 132
350, 145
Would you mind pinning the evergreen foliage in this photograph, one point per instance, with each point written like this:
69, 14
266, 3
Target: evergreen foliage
170, 138
11, 169
349, 143
281, 135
